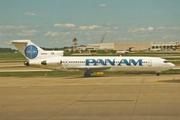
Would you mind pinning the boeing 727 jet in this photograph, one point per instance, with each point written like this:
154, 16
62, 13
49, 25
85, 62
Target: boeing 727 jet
56, 61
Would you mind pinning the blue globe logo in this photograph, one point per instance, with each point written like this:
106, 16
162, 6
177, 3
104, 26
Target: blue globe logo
31, 51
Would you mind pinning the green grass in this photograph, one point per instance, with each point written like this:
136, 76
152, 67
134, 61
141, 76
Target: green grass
148, 54
153, 54
39, 73
113, 51
172, 58
19, 56
78, 73
9, 57
12, 56
175, 62
101, 52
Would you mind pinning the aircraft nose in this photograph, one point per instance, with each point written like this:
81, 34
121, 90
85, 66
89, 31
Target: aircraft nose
172, 65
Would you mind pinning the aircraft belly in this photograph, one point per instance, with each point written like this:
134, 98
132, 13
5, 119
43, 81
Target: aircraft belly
136, 68
125, 68
111, 68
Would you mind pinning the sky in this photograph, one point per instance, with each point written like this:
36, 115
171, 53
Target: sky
54, 23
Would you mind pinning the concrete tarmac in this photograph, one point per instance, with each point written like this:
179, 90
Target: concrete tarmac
137, 97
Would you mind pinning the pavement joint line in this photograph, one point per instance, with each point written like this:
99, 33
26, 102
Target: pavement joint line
95, 88
105, 101
60, 110
123, 109
137, 99
18, 101
77, 100
54, 83
107, 81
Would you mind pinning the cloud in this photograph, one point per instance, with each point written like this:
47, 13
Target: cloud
161, 28
27, 33
31, 14
175, 28
168, 29
115, 28
170, 37
101, 5
64, 25
136, 30
140, 30
150, 28
108, 23
89, 27
12, 27
55, 34
2, 34
10, 34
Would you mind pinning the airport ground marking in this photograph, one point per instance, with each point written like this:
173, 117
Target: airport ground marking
137, 97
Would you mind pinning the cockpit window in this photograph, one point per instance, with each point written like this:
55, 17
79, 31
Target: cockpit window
166, 61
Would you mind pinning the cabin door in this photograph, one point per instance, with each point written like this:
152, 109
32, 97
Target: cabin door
66, 62
149, 62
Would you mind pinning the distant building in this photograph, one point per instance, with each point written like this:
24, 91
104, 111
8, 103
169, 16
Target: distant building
166, 46
117, 46
135, 46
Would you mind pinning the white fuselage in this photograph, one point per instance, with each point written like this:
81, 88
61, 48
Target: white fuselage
114, 63
122, 52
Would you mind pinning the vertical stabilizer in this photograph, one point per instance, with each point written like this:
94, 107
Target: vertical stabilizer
27, 48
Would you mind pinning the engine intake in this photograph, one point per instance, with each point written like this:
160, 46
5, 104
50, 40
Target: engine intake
43, 63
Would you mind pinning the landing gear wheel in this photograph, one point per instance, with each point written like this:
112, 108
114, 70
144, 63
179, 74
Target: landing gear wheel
87, 74
157, 74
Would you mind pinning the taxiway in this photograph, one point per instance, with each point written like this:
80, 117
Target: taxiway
136, 97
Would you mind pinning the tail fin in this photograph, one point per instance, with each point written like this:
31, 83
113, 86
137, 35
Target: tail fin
27, 48
130, 49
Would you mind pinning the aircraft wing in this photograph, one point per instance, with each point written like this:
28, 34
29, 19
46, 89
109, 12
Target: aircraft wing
91, 68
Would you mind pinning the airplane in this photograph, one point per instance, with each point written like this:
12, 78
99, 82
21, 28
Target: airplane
124, 51
56, 61
156, 50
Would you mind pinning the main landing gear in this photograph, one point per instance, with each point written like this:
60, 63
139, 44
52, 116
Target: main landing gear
158, 73
87, 74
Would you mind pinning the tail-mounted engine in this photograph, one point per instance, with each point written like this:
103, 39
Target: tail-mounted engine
43, 62
51, 62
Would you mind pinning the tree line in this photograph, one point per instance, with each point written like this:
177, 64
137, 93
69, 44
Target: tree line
7, 50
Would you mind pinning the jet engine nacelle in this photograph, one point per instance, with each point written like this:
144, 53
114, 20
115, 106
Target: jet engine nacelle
51, 62
46, 62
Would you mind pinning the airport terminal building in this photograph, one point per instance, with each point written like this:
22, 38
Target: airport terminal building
135, 46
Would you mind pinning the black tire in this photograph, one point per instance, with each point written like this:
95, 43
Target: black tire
86, 74
157, 74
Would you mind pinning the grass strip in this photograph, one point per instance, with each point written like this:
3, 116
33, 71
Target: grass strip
79, 73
